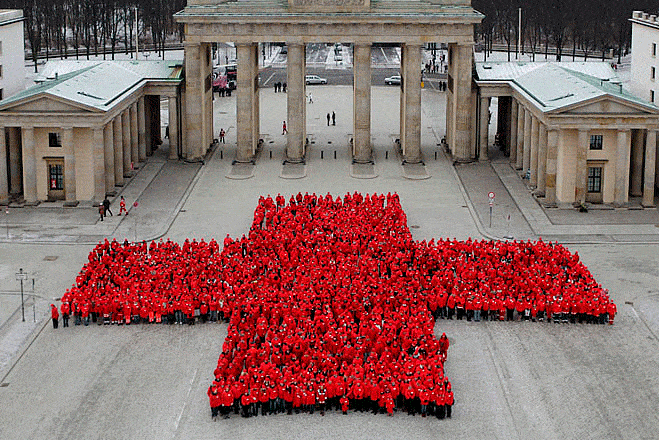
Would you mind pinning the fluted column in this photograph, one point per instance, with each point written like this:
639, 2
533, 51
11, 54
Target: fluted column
108, 142
141, 130
513, 132
29, 166
533, 180
125, 138
461, 74
99, 163
173, 128
134, 145
483, 128
362, 103
552, 157
622, 168
519, 158
636, 170
296, 100
15, 177
118, 151
581, 174
198, 106
69, 164
542, 160
246, 87
410, 122
650, 163
526, 151
4, 174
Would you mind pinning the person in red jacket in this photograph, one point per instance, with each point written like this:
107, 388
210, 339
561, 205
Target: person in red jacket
345, 404
55, 315
449, 403
611, 309
215, 401
66, 309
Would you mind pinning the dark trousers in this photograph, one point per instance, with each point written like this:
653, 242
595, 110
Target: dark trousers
55, 322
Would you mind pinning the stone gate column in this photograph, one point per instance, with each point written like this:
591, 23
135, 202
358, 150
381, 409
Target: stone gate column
581, 174
533, 180
125, 138
134, 145
650, 163
118, 151
361, 149
15, 178
198, 123
4, 174
29, 166
552, 157
460, 80
173, 127
69, 164
513, 132
141, 130
108, 142
542, 160
99, 163
636, 171
296, 100
622, 168
483, 127
246, 85
410, 130
526, 150
519, 157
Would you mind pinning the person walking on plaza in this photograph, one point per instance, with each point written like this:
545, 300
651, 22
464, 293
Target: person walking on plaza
310, 98
222, 133
283, 128
333, 118
106, 206
122, 206
328, 119
54, 314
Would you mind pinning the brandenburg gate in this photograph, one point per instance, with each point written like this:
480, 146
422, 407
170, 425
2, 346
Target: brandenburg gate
410, 23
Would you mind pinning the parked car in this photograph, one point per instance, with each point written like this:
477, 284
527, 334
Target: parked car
392, 80
314, 79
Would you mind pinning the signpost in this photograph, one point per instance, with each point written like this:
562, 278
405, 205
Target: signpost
135, 205
491, 196
22, 276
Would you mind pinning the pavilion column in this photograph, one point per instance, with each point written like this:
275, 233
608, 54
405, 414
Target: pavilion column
141, 130
118, 151
650, 163
542, 160
552, 163
622, 168
125, 138
410, 122
526, 151
513, 132
99, 163
296, 101
246, 95
636, 171
519, 157
69, 164
15, 179
173, 128
198, 73
4, 172
108, 143
29, 166
462, 60
533, 180
134, 145
361, 148
581, 174
483, 127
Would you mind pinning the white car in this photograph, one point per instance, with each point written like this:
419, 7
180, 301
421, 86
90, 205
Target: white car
314, 79
392, 80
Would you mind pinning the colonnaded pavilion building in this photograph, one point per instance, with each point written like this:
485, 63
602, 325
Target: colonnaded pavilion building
79, 134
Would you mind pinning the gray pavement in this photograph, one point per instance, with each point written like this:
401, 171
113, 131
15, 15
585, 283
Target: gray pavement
512, 380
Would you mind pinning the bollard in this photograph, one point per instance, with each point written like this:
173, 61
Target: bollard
321, 154
270, 154
386, 154
435, 155
334, 154
221, 155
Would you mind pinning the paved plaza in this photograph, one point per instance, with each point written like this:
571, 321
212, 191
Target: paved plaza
511, 380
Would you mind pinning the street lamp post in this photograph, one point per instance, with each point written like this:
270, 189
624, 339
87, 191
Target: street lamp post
21, 276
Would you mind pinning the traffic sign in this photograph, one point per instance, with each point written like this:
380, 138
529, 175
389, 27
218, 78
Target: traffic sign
491, 195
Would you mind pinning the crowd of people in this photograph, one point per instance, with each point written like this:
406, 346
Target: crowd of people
331, 304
